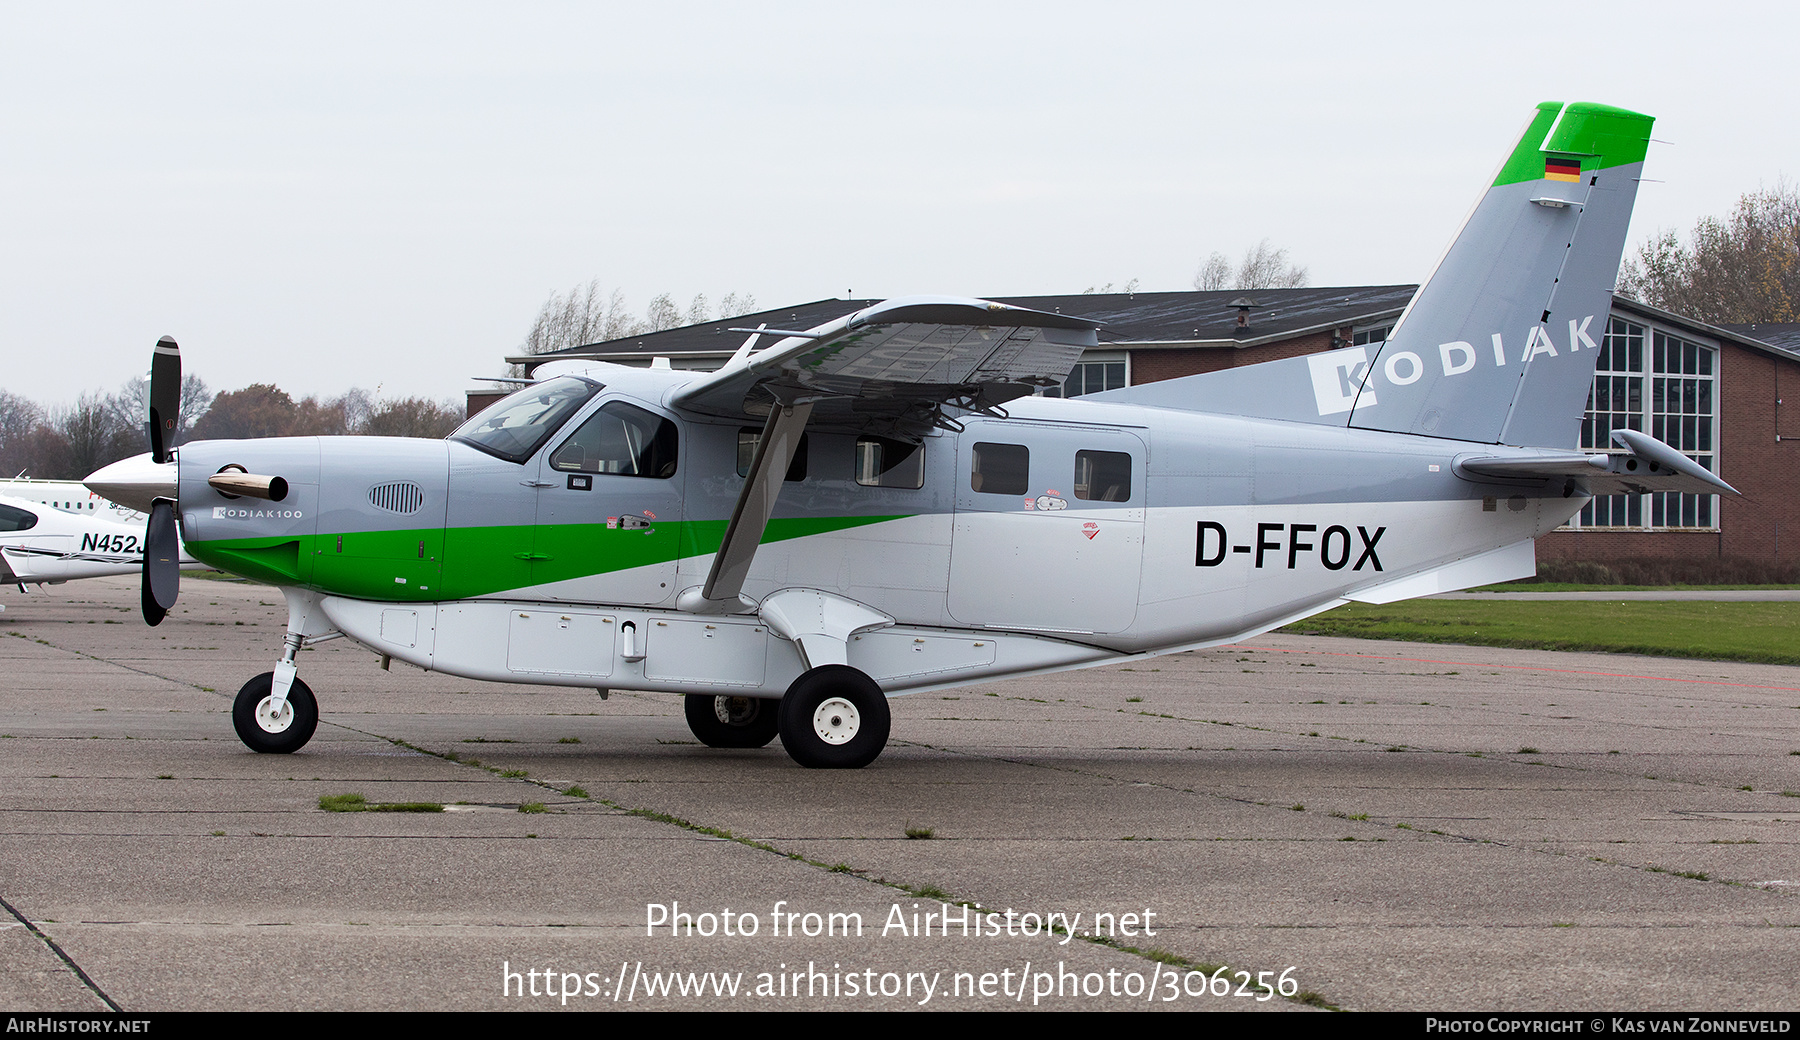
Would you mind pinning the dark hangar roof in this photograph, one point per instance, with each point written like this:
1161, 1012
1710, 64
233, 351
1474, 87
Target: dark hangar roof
1784, 335
1135, 319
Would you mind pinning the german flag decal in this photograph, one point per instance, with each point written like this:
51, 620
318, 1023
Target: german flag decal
1559, 169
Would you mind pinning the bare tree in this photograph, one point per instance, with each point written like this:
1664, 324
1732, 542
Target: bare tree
587, 315
195, 400
663, 313
1263, 267
1214, 274
569, 319
1745, 268
19, 419
357, 405
734, 305
95, 433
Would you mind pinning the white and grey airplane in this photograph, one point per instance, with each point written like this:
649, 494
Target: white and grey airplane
877, 506
70, 496
44, 545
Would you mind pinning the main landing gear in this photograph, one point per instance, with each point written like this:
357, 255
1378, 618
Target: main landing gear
833, 717
731, 722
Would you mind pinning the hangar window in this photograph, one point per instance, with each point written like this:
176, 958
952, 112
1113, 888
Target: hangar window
1096, 371
622, 440
1653, 381
12, 519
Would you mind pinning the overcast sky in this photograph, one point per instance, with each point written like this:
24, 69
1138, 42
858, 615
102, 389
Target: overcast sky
324, 195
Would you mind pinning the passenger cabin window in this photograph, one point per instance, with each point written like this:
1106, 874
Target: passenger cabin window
517, 425
16, 519
749, 437
881, 462
1103, 476
1001, 469
620, 440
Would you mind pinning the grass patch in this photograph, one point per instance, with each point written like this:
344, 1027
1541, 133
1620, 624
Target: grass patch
568, 740
919, 833
357, 803
533, 807
576, 791
1762, 633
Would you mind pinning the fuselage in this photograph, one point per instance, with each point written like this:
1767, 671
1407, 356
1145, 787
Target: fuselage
40, 543
1115, 529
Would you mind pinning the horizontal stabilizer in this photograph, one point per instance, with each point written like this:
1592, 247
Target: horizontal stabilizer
1646, 465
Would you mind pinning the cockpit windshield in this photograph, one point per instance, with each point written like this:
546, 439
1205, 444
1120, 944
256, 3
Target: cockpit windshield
515, 426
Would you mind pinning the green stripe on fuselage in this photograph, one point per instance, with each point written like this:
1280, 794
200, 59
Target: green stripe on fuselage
464, 562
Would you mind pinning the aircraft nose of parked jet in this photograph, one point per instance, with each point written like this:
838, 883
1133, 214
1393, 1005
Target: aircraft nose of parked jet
135, 482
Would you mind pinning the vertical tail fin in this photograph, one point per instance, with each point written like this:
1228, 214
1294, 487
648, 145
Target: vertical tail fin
1499, 344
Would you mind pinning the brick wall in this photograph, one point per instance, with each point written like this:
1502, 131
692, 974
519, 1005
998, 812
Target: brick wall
1151, 366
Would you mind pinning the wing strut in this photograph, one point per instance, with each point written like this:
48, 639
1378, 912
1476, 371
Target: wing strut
750, 517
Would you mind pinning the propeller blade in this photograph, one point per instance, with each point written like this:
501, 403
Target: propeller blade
162, 563
165, 398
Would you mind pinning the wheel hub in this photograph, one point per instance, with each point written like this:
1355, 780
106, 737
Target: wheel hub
272, 721
734, 711
836, 721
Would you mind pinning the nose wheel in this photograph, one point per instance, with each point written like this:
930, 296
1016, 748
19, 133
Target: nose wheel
272, 730
834, 717
731, 722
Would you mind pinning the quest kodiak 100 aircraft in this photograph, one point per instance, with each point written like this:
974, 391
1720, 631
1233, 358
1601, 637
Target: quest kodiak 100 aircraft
878, 506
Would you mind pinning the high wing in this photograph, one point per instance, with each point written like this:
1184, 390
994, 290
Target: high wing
891, 369
895, 367
1646, 465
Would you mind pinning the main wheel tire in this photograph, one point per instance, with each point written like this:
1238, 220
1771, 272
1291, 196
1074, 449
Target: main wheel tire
732, 722
834, 717
268, 733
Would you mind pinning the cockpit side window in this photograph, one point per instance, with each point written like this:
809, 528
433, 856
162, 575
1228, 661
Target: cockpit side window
516, 426
16, 519
622, 440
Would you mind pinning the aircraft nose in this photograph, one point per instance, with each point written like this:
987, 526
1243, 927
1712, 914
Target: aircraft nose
135, 482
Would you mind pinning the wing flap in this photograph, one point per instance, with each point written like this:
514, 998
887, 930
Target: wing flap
898, 360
